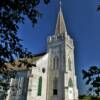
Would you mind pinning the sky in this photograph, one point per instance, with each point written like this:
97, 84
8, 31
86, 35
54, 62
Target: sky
83, 25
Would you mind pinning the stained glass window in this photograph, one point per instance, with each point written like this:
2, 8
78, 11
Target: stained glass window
40, 86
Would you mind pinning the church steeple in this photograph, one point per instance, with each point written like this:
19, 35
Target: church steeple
60, 25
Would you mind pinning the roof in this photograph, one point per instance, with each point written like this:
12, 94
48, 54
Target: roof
23, 64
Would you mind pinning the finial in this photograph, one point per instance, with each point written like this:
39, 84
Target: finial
60, 3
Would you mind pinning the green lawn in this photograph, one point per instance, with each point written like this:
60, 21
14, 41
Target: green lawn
88, 98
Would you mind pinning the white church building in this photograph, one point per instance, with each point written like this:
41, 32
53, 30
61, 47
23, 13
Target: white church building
54, 77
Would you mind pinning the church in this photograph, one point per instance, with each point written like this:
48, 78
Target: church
53, 77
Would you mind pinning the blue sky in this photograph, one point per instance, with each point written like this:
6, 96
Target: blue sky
83, 24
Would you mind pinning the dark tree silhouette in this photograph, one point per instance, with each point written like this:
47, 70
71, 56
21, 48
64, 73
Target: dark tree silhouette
13, 12
92, 77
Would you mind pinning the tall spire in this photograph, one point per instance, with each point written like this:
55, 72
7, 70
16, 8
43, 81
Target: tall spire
60, 25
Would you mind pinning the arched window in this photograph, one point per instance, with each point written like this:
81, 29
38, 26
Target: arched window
69, 64
70, 83
55, 62
55, 86
40, 86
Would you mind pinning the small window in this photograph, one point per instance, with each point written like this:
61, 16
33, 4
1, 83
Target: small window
43, 70
54, 91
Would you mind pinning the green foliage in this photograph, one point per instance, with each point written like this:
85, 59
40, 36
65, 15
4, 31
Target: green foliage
83, 97
5, 86
92, 77
13, 12
98, 8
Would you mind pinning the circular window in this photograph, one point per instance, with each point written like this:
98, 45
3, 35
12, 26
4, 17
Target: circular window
43, 70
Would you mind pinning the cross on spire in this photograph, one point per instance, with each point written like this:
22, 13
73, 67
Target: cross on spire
60, 2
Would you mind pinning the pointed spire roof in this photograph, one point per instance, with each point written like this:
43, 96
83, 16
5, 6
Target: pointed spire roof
60, 25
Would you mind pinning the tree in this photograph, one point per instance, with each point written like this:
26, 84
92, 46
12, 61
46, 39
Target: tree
13, 12
98, 5
92, 77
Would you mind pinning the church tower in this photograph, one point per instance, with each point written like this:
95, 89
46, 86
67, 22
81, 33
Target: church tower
61, 79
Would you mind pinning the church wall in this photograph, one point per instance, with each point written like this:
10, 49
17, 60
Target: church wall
39, 71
